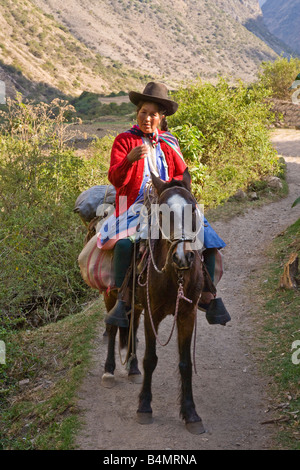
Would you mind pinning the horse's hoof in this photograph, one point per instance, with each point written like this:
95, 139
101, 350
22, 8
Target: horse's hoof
195, 427
144, 418
108, 380
135, 378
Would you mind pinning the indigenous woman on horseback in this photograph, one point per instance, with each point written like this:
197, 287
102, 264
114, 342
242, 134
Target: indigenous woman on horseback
146, 148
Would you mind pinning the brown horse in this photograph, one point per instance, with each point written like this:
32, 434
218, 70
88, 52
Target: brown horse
170, 284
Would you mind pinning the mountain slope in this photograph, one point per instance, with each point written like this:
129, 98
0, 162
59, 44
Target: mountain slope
282, 17
40, 58
171, 38
67, 46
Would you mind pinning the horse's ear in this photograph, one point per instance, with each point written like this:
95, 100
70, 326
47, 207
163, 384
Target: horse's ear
186, 179
158, 183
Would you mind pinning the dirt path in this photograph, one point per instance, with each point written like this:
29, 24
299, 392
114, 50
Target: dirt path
230, 395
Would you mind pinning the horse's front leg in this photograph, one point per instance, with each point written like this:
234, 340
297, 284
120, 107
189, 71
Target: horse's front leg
144, 412
185, 325
108, 378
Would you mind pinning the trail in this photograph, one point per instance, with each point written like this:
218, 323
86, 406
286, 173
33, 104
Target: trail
230, 395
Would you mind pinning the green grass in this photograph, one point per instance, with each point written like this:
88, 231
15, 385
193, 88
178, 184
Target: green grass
278, 324
233, 207
42, 414
89, 107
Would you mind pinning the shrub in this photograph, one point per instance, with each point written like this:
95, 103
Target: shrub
278, 76
224, 137
95, 168
89, 107
40, 237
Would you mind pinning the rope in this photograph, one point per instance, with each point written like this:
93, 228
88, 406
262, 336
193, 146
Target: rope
194, 346
131, 328
180, 295
172, 245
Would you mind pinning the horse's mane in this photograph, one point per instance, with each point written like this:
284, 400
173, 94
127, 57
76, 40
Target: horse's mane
174, 183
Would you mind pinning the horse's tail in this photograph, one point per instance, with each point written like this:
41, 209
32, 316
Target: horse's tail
123, 334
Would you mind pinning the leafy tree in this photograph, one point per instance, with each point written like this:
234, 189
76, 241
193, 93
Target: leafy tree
278, 76
223, 134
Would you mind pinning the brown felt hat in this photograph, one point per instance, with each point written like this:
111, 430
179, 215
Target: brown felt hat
156, 93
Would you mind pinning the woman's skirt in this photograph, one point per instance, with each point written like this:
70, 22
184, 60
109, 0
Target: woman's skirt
132, 223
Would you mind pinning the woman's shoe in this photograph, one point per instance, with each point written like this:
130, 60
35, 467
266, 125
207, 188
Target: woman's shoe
216, 313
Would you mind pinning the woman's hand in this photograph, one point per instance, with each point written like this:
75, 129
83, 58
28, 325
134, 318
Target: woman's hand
137, 153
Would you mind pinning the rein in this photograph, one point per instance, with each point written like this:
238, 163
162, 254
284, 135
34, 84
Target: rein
180, 295
180, 291
172, 245
128, 359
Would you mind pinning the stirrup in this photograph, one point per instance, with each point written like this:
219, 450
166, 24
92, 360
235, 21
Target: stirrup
117, 316
216, 313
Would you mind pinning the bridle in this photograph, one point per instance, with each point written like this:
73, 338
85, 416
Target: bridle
173, 242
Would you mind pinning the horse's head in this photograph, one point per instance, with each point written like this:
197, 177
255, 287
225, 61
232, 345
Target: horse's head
177, 217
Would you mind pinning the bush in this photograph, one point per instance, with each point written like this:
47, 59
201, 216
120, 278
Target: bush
224, 138
40, 236
95, 168
89, 107
278, 76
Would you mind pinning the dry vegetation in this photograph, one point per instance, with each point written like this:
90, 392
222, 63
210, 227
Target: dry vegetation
176, 39
47, 48
40, 57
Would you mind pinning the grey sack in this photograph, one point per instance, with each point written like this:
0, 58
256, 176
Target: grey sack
88, 201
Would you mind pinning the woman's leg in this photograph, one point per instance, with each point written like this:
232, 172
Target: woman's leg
216, 313
210, 260
122, 258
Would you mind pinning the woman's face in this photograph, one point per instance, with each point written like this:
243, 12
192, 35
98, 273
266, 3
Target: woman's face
148, 118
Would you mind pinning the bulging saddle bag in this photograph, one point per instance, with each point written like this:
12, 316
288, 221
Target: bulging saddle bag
96, 266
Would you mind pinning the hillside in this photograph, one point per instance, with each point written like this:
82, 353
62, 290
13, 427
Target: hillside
282, 17
174, 38
40, 58
49, 47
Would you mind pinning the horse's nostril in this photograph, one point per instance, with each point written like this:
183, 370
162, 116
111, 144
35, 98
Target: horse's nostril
175, 258
183, 261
